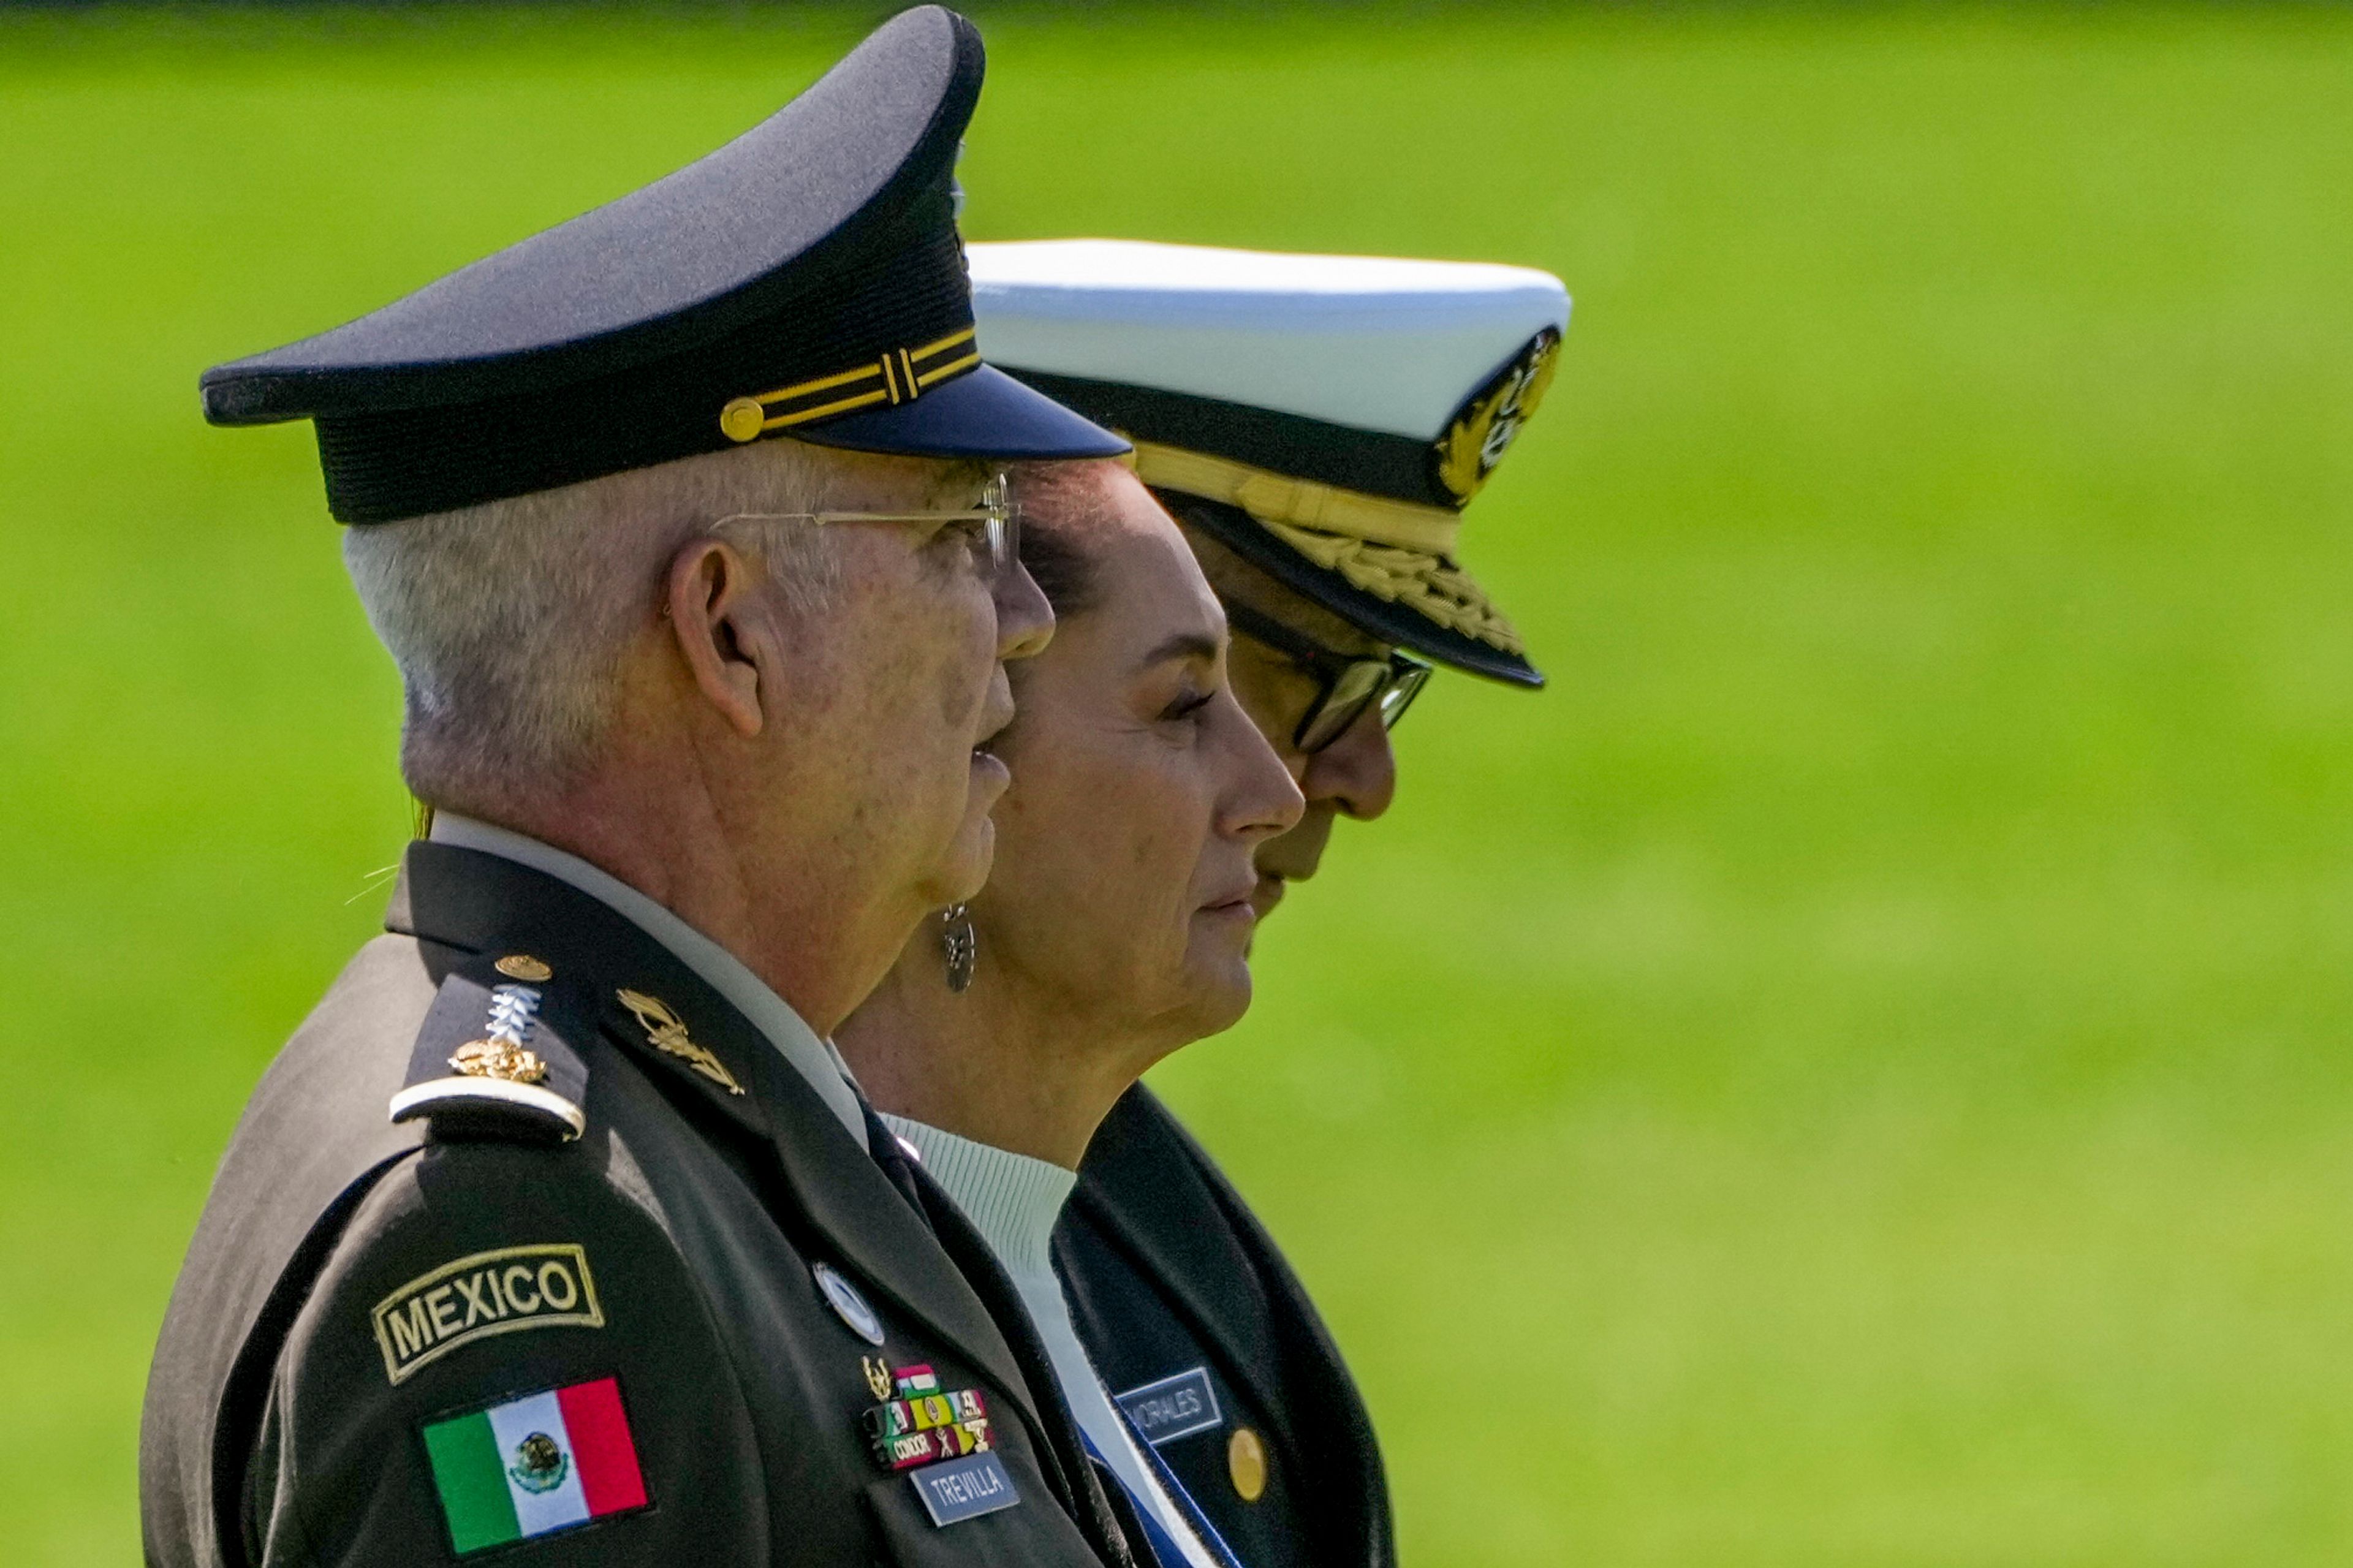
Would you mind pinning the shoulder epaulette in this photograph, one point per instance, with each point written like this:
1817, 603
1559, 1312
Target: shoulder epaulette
492, 1059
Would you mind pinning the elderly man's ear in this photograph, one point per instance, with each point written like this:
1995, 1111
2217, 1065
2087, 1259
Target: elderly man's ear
728, 630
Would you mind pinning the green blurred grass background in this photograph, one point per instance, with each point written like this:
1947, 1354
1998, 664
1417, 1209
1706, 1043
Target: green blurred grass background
1854, 1074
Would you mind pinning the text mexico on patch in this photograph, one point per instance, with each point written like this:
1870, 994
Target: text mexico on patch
544, 1286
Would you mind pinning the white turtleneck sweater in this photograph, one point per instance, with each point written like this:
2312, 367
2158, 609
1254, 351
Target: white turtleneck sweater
1013, 1201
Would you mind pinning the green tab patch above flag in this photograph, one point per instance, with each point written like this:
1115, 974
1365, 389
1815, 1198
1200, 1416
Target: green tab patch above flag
544, 1462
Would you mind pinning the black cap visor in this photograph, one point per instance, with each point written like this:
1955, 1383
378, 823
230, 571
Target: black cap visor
1400, 626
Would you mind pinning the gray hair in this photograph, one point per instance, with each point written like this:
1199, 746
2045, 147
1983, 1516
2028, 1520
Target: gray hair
510, 620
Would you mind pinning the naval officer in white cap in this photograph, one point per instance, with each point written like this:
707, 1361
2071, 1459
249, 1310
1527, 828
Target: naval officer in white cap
1318, 425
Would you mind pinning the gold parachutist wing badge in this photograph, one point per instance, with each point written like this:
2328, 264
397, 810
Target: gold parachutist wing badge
666, 1031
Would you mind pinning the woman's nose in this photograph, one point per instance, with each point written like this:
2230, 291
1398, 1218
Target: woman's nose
1262, 799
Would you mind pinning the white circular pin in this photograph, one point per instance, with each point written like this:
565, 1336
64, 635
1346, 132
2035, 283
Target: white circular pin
847, 1304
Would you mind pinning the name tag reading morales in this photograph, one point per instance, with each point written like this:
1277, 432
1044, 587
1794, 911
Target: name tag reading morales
965, 1489
544, 1286
1173, 1407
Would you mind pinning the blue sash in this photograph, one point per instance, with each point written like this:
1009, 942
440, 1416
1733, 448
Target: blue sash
1168, 1554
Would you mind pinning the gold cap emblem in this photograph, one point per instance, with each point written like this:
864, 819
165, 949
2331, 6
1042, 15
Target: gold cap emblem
524, 966
1476, 440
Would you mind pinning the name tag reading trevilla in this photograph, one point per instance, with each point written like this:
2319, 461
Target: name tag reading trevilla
544, 1286
965, 1489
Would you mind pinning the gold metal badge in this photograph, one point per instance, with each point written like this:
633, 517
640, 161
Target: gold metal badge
1246, 1464
524, 966
666, 1031
878, 1375
498, 1058
1475, 442
743, 418
502, 1053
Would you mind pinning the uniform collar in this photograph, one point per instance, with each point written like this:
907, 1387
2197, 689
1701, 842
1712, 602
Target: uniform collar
697, 1043
1157, 1193
814, 1058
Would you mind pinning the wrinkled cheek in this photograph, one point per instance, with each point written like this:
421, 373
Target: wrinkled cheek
965, 671
959, 696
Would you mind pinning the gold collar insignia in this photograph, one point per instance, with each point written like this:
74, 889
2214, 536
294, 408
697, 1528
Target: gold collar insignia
666, 1031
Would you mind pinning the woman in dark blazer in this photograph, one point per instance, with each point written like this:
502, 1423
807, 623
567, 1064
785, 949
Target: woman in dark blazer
1316, 424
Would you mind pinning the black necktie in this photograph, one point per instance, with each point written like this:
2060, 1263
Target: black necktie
1084, 1493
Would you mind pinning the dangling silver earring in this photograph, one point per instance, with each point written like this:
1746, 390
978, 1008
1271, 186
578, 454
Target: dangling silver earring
958, 945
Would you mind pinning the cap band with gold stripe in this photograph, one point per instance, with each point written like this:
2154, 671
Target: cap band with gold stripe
899, 375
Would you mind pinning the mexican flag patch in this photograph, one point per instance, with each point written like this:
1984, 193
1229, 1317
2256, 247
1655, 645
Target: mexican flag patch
544, 1462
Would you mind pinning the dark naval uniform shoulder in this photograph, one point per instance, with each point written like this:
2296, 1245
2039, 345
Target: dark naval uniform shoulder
1212, 1347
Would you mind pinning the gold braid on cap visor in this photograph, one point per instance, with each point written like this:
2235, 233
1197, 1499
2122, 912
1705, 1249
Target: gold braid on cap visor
1393, 550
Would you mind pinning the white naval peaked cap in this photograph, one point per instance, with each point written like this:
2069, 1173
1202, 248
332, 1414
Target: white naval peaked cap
1378, 343
1337, 412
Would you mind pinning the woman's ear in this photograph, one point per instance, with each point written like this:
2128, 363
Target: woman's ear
726, 631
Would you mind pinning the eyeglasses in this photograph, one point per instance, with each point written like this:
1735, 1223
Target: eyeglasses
992, 528
1350, 683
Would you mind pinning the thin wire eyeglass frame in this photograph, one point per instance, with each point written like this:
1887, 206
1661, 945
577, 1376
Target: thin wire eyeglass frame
998, 515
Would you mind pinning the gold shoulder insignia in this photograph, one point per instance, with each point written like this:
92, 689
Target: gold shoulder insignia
1475, 442
502, 1052
666, 1031
512, 1077
524, 966
498, 1058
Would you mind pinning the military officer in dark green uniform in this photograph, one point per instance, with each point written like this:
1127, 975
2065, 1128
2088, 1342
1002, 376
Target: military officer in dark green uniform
1318, 425
557, 1234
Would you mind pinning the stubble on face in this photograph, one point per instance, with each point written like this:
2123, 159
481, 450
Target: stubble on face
899, 675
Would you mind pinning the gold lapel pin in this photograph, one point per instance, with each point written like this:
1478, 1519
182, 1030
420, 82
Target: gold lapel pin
666, 1031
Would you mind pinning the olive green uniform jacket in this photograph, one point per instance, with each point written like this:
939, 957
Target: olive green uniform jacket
353, 1283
